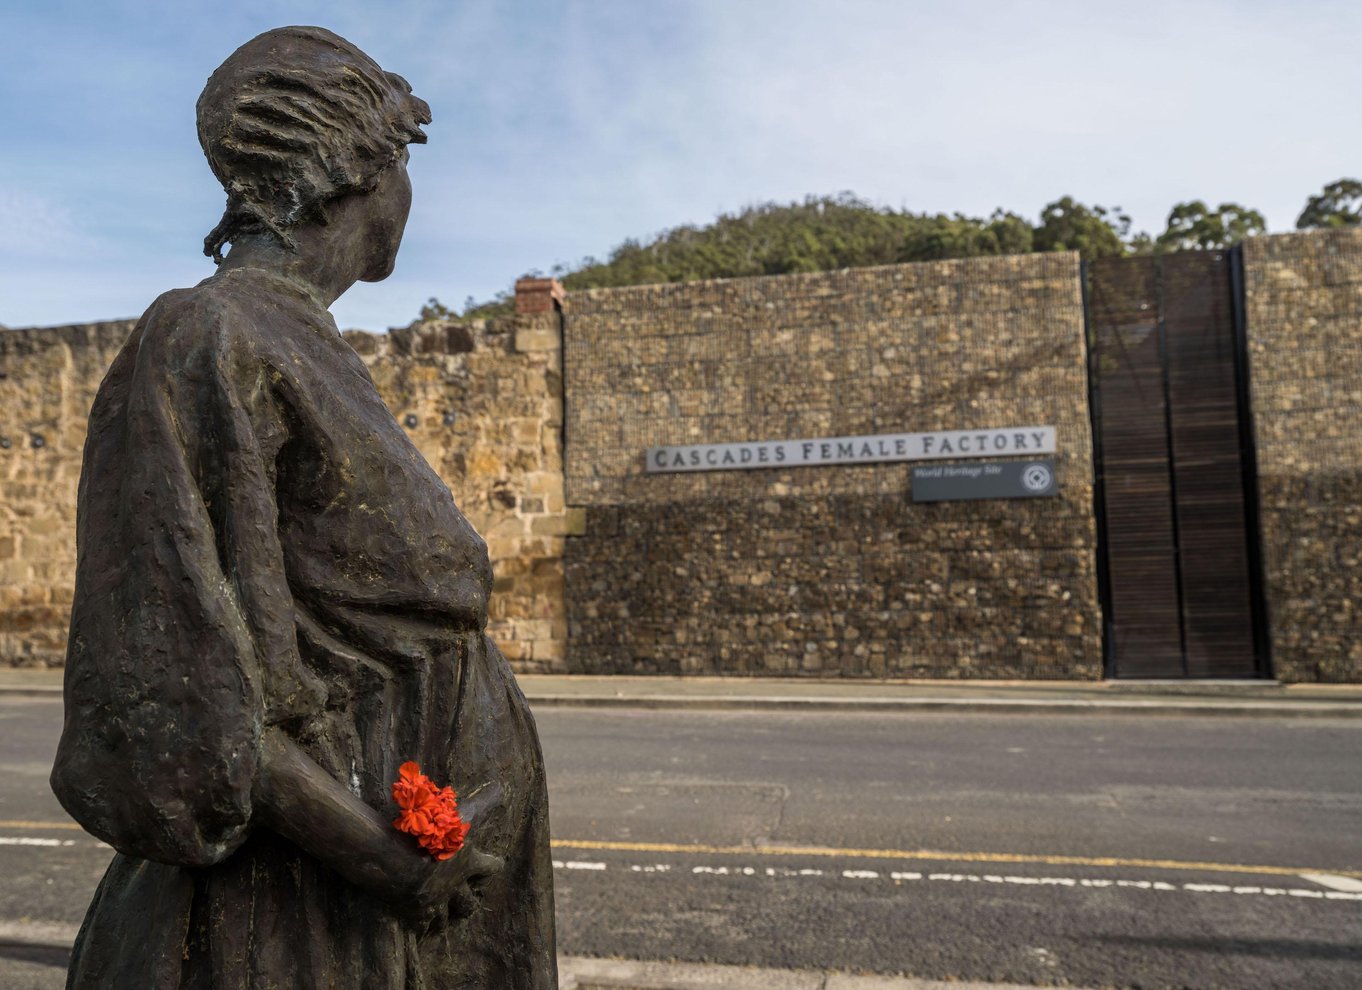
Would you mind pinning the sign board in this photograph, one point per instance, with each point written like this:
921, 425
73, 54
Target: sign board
1012, 479
1001, 442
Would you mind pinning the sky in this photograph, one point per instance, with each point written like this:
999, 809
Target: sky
563, 128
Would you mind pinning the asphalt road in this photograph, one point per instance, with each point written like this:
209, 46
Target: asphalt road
1096, 852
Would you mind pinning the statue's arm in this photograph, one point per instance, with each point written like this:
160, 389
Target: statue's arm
298, 799
295, 797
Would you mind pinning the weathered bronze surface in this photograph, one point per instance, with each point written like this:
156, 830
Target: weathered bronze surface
278, 603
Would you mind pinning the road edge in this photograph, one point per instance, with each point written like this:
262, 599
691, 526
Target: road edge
992, 706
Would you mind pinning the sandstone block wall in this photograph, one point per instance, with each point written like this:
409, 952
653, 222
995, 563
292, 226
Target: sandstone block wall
48, 379
482, 400
828, 571
1303, 296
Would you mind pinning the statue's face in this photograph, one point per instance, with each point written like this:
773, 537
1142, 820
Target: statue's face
386, 210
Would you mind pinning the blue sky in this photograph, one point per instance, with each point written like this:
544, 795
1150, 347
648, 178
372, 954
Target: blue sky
562, 128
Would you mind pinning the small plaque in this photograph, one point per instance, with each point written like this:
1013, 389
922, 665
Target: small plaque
985, 479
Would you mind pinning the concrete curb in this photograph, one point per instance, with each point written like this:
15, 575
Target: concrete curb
736, 699
578, 973
991, 706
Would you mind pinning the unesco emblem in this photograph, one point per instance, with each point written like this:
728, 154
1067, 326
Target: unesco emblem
1037, 477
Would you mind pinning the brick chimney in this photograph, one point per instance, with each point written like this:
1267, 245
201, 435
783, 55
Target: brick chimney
538, 295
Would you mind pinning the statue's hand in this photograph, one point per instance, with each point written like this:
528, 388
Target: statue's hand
448, 889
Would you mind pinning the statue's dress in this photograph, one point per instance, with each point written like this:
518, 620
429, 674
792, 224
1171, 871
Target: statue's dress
261, 546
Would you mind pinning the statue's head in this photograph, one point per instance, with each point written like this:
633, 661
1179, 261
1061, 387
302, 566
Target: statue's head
294, 119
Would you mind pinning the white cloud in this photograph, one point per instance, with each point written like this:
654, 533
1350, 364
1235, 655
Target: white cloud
36, 226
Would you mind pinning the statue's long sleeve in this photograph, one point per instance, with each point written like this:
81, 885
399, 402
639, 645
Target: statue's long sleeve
180, 592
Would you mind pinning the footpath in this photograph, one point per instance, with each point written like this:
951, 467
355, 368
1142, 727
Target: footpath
621, 974
1184, 697
997, 697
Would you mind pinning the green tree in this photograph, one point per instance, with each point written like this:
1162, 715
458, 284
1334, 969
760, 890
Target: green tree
1194, 226
824, 233
1339, 205
931, 238
818, 234
1094, 232
436, 310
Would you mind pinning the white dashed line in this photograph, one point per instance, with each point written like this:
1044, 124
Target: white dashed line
1075, 883
1347, 884
724, 871
26, 840
1340, 888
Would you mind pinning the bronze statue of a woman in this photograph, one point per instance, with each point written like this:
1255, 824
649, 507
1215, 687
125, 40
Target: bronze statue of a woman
278, 602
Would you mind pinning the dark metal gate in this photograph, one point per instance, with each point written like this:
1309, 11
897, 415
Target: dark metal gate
1176, 490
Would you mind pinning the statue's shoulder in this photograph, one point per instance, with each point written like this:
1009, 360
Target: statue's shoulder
218, 316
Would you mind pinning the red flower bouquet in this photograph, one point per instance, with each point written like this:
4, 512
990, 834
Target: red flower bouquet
427, 812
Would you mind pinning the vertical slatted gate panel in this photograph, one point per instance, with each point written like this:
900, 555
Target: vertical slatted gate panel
1208, 475
1143, 619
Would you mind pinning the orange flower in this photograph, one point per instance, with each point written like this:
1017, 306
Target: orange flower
429, 813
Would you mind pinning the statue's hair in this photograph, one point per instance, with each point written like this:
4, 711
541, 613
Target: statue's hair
297, 117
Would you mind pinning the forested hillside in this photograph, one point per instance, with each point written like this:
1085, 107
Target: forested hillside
844, 231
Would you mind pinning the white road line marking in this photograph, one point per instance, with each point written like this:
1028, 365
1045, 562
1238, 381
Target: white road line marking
1090, 883
725, 871
1346, 884
767, 850
1342, 888
26, 840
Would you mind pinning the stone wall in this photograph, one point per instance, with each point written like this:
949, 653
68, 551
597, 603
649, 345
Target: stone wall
1303, 295
482, 400
48, 379
828, 571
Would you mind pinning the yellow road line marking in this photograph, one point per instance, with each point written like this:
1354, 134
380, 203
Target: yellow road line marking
942, 856
939, 855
